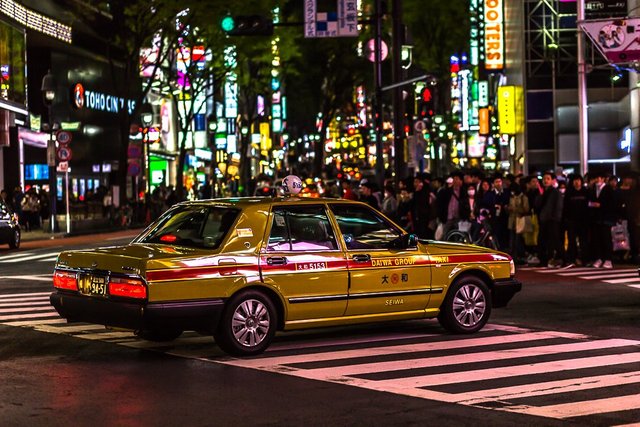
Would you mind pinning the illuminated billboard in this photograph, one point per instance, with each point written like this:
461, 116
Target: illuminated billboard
493, 35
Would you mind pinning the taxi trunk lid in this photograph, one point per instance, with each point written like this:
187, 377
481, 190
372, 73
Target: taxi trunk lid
130, 259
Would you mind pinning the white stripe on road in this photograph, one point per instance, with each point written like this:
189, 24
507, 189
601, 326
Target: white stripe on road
596, 271
25, 299
599, 276
17, 255
34, 278
561, 270
399, 349
26, 304
627, 280
579, 409
28, 294
635, 286
507, 371
550, 387
49, 259
399, 365
599, 273
29, 316
18, 310
37, 322
30, 258
73, 328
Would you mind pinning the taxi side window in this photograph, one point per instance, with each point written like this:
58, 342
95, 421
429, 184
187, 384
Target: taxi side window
301, 228
361, 228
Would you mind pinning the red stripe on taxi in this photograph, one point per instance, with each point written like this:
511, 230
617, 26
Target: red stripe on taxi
199, 272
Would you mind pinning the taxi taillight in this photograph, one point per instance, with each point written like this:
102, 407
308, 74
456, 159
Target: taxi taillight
65, 280
127, 287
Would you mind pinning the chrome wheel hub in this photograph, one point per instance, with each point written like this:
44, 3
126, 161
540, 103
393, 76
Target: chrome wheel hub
250, 323
469, 305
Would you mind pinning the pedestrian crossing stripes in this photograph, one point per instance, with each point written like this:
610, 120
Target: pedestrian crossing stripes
28, 257
619, 276
560, 375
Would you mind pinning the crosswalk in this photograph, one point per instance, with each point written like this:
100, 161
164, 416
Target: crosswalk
619, 276
13, 258
559, 375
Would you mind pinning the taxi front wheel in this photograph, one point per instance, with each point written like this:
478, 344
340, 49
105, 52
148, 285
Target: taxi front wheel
248, 324
467, 306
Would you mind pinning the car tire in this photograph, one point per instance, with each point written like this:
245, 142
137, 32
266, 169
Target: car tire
247, 325
466, 307
159, 335
14, 243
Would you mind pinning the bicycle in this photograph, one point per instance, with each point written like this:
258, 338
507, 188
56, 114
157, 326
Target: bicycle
478, 233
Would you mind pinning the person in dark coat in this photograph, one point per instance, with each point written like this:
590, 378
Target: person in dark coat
453, 204
498, 201
421, 208
575, 221
549, 210
602, 215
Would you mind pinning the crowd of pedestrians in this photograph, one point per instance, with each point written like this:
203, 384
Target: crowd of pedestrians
553, 220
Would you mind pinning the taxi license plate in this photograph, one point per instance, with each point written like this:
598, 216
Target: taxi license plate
93, 285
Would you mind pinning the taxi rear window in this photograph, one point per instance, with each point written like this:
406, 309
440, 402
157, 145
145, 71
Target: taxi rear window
192, 226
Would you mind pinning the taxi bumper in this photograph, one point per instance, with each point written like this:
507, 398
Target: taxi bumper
198, 315
503, 290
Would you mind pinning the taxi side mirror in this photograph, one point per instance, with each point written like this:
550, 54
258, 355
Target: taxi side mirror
406, 241
412, 240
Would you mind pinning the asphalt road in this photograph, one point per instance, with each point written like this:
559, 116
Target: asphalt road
565, 351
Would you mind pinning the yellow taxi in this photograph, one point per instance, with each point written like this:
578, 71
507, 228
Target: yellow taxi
241, 269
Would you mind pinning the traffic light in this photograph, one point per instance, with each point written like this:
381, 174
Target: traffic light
250, 25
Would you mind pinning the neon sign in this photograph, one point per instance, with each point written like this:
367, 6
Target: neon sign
493, 35
83, 98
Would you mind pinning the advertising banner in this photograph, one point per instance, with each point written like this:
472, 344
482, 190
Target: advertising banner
617, 39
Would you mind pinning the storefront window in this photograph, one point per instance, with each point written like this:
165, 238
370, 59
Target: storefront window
12, 66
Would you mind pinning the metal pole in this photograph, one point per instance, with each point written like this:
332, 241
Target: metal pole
583, 120
52, 175
634, 103
399, 143
66, 181
378, 103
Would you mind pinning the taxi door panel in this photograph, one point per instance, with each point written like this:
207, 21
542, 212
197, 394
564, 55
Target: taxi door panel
382, 279
303, 261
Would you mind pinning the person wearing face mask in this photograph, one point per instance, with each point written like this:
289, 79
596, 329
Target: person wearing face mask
518, 208
602, 213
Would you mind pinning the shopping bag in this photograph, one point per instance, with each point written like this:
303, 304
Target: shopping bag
620, 237
439, 234
521, 224
464, 226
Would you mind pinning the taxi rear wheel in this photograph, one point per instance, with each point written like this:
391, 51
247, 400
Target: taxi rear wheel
467, 306
248, 324
159, 335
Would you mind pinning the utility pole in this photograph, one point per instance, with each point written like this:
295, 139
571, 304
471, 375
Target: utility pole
583, 120
378, 95
399, 143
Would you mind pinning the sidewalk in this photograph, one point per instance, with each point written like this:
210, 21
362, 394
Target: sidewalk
44, 235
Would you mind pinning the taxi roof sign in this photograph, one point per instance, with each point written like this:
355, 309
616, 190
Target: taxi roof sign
291, 185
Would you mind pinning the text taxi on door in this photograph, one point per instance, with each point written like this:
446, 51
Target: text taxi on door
240, 269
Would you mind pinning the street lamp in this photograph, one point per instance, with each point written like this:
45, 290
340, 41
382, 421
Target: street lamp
48, 97
146, 117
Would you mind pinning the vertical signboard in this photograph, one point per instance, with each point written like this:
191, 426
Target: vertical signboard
340, 19
493, 35
510, 111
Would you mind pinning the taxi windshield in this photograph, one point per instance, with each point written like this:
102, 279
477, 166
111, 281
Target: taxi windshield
192, 226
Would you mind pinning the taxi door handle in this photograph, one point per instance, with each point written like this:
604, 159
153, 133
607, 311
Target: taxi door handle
276, 260
362, 258
229, 265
